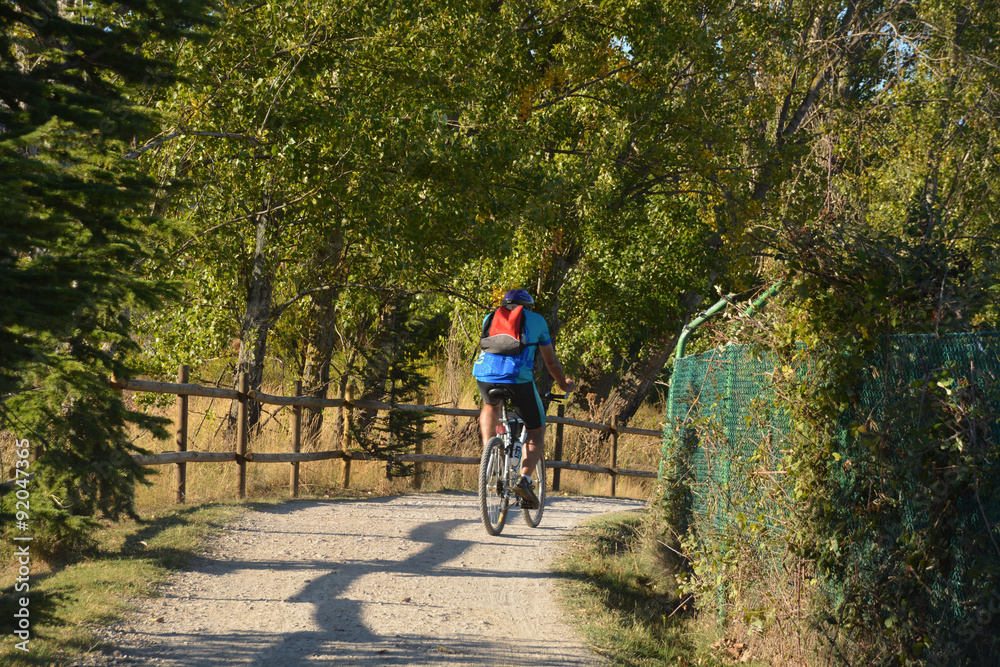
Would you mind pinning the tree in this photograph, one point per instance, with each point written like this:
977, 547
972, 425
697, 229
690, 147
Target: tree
870, 176
626, 186
323, 151
76, 226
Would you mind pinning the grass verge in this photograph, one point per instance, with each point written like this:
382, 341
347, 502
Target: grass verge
624, 609
130, 559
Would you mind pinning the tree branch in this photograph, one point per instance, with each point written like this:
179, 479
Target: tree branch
187, 244
583, 85
154, 142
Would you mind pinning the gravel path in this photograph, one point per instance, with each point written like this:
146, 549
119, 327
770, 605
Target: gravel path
403, 580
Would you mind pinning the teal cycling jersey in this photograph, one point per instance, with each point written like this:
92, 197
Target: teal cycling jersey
514, 369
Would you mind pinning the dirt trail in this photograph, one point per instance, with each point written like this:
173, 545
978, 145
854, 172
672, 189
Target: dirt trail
404, 580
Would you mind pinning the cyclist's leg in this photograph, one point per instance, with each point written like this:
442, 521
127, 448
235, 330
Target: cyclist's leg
528, 405
489, 415
534, 445
489, 419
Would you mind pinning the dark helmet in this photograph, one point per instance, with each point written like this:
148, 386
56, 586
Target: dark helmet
518, 297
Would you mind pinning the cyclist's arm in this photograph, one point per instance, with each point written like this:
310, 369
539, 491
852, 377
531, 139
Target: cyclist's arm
555, 368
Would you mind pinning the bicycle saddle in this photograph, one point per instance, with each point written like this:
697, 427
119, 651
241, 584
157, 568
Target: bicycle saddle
501, 393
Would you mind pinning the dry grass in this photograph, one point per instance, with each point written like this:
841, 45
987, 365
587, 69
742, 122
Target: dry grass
627, 609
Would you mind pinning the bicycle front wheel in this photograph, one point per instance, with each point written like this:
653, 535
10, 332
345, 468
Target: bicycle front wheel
534, 517
493, 496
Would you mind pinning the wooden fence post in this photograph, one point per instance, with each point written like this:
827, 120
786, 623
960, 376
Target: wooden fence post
241, 437
348, 418
614, 453
180, 469
418, 468
293, 479
561, 411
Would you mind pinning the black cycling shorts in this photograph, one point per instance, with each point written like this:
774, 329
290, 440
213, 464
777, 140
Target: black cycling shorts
527, 403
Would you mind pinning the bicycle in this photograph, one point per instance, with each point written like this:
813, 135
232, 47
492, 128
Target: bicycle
500, 467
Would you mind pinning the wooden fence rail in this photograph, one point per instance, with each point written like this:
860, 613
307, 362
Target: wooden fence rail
181, 457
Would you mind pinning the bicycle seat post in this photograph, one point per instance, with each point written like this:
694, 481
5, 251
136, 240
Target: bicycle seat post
504, 395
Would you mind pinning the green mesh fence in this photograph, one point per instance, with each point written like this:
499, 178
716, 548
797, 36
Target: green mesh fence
725, 442
724, 439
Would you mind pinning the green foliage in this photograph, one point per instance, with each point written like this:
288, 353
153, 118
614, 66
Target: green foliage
871, 203
339, 152
619, 234
451, 150
891, 235
892, 500
328, 162
869, 509
76, 225
79, 428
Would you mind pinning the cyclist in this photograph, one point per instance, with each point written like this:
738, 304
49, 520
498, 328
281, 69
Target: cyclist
517, 374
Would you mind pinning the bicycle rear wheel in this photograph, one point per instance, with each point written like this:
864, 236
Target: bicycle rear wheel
534, 517
493, 496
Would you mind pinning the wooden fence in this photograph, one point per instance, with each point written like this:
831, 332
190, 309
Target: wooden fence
181, 457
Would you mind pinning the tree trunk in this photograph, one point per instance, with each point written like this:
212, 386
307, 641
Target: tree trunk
594, 383
322, 337
316, 372
456, 369
635, 384
555, 279
256, 324
624, 394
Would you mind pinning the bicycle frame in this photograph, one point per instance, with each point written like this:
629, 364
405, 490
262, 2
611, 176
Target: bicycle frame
513, 442
513, 439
